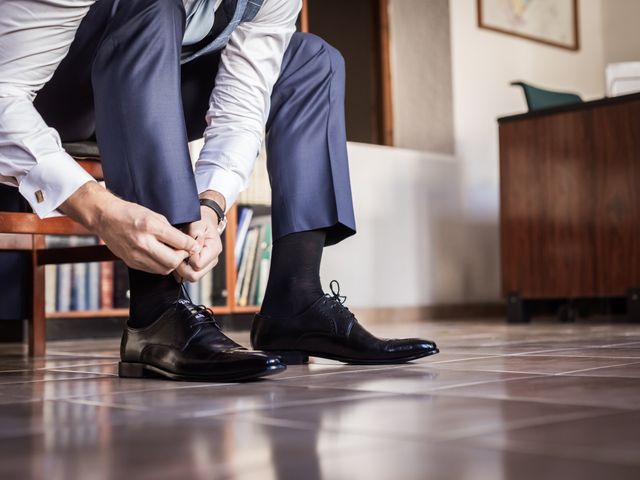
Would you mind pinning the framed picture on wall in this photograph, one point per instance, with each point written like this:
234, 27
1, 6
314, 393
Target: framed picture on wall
553, 22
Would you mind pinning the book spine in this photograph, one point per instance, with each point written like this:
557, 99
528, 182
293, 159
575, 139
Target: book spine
50, 277
252, 243
93, 286
241, 236
265, 263
251, 299
63, 297
79, 286
106, 285
242, 271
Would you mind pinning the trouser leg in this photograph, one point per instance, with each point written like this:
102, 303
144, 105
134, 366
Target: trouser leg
306, 143
123, 70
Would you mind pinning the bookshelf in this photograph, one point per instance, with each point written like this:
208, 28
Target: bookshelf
228, 262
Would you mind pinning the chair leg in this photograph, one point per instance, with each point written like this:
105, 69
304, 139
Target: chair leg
37, 327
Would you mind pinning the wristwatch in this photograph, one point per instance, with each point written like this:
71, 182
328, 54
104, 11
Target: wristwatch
222, 218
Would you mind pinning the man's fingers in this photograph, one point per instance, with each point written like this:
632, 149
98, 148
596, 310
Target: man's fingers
210, 252
176, 239
166, 256
187, 272
202, 259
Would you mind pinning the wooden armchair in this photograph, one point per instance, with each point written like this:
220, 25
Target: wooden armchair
26, 232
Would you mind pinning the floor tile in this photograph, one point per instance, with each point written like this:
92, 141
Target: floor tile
608, 352
611, 438
400, 379
533, 364
623, 371
623, 393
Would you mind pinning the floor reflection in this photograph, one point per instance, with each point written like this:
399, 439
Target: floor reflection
499, 402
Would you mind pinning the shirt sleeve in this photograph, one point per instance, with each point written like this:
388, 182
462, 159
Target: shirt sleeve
34, 38
239, 104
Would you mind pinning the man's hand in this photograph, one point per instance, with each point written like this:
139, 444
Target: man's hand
143, 239
205, 232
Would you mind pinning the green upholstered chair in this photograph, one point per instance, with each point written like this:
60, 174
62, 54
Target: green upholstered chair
539, 99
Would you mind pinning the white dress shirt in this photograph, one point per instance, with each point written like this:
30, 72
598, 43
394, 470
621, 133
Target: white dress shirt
35, 35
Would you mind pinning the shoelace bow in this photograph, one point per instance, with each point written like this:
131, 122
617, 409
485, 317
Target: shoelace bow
196, 310
338, 300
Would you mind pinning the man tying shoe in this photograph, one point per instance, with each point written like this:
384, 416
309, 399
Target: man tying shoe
144, 77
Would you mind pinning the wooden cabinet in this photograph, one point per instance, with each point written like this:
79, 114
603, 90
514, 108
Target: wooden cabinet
570, 202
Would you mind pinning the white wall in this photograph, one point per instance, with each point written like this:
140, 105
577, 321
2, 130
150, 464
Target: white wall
420, 51
484, 62
407, 248
620, 28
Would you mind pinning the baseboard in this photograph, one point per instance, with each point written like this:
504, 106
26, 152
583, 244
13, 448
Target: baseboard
410, 314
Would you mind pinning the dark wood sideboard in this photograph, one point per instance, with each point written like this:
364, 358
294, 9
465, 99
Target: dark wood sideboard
570, 204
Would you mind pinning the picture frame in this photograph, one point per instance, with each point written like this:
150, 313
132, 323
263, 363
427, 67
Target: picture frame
551, 22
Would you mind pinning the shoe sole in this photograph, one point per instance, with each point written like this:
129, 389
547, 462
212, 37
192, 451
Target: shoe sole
142, 370
299, 357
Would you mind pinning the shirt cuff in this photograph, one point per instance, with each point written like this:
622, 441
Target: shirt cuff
225, 164
226, 182
54, 179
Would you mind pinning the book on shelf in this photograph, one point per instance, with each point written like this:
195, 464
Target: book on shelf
265, 263
51, 289
93, 286
250, 254
72, 287
251, 236
244, 219
64, 288
253, 283
106, 285
255, 258
261, 223
78, 286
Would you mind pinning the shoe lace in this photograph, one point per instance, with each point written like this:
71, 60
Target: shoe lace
199, 310
337, 300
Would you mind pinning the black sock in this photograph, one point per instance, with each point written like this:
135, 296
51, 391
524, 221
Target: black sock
294, 275
151, 295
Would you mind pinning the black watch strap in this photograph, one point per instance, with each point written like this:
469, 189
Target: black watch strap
213, 206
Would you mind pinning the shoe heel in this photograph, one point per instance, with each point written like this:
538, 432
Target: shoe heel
131, 370
292, 357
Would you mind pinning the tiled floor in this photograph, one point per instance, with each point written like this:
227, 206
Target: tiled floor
536, 401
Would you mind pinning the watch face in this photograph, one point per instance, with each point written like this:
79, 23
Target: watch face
222, 224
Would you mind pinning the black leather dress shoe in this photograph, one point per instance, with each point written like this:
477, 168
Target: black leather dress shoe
185, 343
328, 329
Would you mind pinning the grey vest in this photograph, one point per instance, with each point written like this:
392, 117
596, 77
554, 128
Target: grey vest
242, 11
